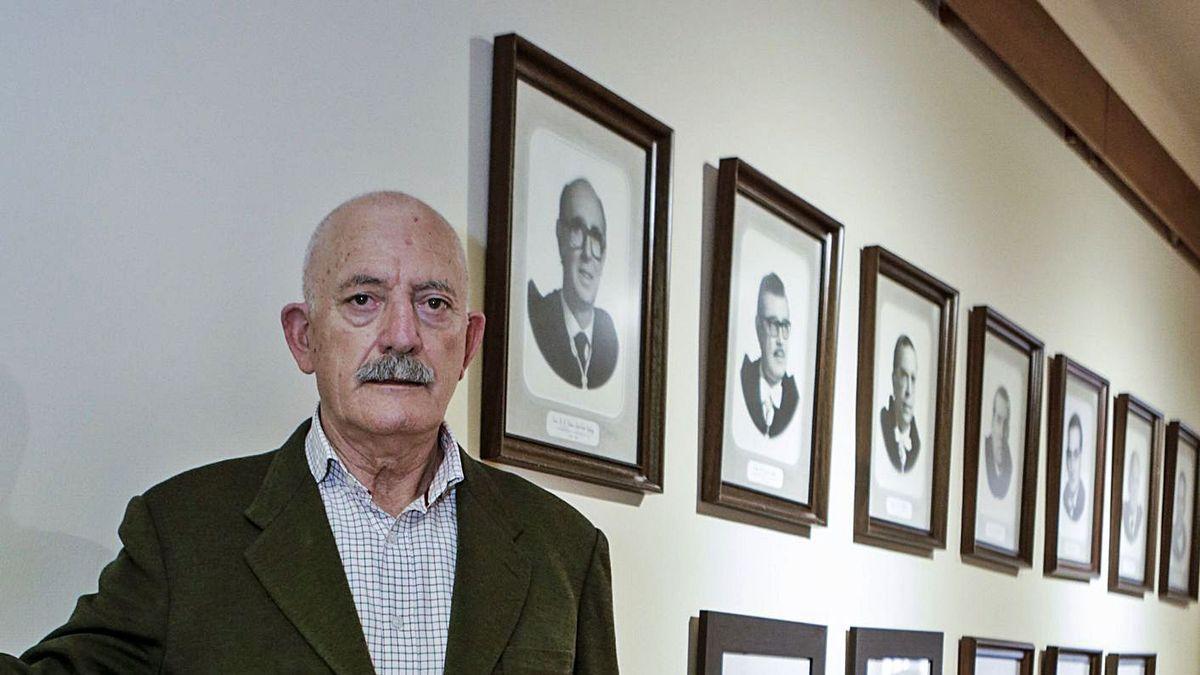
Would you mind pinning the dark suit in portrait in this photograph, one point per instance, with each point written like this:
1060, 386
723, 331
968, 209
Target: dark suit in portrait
887, 425
1074, 495
998, 477
1131, 512
550, 332
751, 393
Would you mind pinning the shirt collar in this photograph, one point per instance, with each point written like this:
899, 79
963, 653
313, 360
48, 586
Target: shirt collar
772, 392
573, 327
324, 464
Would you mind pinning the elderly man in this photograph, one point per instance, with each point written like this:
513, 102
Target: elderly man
770, 393
577, 338
896, 420
1074, 493
369, 540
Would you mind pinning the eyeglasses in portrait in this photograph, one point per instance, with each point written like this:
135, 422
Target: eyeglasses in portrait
1137, 430
1004, 394
1075, 470
907, 324
775, 278
1180, 550
733, 644
573, 369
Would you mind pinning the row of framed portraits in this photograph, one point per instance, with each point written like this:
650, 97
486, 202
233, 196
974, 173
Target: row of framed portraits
574, 364
732, 644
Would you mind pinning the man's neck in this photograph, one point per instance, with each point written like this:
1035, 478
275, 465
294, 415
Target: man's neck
582, 311
395, 470
762, 372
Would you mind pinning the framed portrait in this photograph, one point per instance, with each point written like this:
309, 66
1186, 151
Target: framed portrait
1180, 549
769, 402
1003, 434
1133, 508
906, 346
879, 651
1069, 661
1075, 455
574, 357
732, 644
983, 656
1130, 664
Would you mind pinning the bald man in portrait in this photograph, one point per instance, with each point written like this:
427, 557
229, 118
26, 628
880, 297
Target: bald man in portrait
577, 338
896, 420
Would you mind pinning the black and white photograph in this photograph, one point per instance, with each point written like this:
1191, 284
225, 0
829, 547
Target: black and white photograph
775, 281
979, 656
1137, 430
1075, 463
733, 644
908, 389
1003, 425
1178, 572
879, 651
568, 242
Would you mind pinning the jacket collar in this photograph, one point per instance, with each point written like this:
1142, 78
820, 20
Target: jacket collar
296, 560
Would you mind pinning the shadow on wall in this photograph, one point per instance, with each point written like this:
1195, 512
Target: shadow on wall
42, 573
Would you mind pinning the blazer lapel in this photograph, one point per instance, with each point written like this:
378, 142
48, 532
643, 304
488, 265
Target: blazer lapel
491, 575
297, 561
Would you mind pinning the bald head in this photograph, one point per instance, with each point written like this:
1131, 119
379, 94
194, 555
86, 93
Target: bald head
384, 208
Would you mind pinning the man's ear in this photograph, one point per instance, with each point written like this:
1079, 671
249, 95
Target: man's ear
475, 324
296, 325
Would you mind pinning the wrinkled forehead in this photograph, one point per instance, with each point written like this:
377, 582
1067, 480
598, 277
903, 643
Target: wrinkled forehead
393, 244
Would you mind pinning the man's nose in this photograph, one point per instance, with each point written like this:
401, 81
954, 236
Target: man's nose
401, 329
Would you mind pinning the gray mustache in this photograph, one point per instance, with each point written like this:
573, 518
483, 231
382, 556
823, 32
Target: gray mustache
392, 367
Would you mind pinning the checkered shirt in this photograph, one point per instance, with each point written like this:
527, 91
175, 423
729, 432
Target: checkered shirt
401, 570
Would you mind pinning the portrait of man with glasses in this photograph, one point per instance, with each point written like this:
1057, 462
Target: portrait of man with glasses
769, 391
576, 338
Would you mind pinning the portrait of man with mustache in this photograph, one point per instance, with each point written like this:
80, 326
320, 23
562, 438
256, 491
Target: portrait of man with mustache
577, 338
770, 393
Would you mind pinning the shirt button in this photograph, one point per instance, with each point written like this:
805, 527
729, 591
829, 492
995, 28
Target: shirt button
398, 622
392, 538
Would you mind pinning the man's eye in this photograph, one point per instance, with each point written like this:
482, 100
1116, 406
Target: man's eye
360, 299
436, 303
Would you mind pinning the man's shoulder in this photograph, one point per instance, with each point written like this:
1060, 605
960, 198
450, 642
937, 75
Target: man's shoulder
533, 507
225, 482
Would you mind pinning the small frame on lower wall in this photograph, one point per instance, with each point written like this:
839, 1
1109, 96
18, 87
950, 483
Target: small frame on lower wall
880, 651
984, 656
1130, 664
1071, 661
733, 644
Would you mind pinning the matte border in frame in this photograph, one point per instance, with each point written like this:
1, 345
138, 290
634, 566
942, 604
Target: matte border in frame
1127, 405
737, 177
1111, 662
1061, 367
517, 59
720, 633
984, 320
1051, 654
1176, 431
968, 648
877, 261
864, 644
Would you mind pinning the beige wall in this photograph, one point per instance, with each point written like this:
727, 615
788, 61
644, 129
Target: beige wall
166, 166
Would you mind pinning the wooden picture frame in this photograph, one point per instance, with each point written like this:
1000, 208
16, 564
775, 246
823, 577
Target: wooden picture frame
746, 461
1123, 522
722, 634
1053, 656
903, 285
971, 648
1178, 434
864, 645
1113, 662
988, 328
1089, 387
543, 111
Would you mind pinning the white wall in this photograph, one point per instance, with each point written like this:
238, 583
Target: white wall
165, 166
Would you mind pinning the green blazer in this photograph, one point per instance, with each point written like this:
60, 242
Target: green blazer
232, 568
